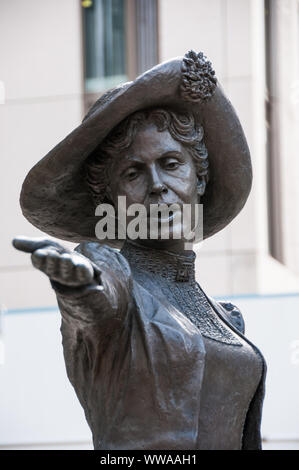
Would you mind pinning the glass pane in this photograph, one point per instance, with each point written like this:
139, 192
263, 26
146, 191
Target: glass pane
105, 58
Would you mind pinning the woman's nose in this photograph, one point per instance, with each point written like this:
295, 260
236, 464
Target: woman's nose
157, 186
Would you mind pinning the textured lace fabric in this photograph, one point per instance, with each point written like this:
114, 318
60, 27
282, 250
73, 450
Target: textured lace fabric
174, 276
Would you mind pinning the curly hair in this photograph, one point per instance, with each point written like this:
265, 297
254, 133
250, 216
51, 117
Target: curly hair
182, 127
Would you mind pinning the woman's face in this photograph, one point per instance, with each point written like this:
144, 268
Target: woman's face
156, 169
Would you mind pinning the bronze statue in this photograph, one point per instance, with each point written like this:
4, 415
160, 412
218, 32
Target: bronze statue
155, 362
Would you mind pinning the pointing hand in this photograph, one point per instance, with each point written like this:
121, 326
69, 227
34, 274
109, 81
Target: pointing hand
59, 264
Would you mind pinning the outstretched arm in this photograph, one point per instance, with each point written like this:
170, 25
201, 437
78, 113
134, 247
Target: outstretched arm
93, 291
91, 283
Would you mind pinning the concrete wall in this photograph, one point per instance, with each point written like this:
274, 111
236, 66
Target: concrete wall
286, 98
41, 68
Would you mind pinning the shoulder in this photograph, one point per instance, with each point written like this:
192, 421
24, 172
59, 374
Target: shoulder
106, 259
233, 315
230, 312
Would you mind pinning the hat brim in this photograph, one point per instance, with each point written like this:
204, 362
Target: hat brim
56, 199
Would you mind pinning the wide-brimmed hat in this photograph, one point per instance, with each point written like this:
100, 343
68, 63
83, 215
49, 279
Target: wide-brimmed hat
55, 196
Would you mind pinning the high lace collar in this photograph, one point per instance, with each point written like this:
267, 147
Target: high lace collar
174, 277
173, 266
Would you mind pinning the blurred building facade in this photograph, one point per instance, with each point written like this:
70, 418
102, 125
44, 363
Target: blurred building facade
57, 57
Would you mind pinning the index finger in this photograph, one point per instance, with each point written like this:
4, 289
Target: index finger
29, 245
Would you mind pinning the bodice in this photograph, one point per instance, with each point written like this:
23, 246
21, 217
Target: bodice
232, 368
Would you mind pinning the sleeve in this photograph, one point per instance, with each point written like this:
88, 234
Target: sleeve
93, 316
107, 300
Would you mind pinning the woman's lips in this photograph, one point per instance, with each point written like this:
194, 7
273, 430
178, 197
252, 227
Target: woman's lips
163, 217
163, 212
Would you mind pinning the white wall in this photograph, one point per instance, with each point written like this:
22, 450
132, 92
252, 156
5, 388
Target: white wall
286, 98
272, 323
41, 68
38, 404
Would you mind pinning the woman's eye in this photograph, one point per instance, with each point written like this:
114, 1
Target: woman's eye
131, 174
171, 165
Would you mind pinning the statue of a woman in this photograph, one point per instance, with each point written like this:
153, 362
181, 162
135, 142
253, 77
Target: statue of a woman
155, 363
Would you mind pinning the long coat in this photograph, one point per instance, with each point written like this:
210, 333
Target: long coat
137, 364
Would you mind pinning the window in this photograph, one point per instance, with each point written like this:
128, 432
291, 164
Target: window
120, 42
105, 47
